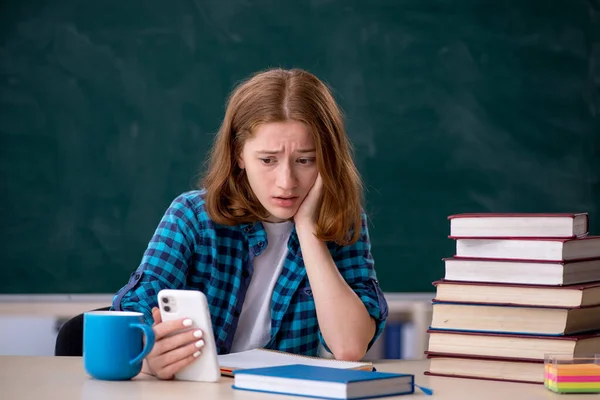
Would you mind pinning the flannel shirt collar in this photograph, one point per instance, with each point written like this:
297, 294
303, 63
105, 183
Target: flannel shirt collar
256, 235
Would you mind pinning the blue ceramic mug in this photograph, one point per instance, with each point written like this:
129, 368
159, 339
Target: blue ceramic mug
113, 347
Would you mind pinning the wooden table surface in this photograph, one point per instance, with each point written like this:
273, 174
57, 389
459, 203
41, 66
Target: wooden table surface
64, 378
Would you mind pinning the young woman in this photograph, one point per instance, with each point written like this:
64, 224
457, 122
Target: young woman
275, 238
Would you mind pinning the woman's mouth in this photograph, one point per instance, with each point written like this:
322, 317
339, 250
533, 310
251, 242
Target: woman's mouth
286, 201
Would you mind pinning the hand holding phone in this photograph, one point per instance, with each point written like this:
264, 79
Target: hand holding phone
184, 314
172, 351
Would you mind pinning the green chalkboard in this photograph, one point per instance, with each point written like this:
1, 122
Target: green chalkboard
107, 110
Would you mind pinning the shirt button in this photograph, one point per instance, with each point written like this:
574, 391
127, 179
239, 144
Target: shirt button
261, 244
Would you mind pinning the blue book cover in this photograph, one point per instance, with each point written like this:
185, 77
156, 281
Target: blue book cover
329, 383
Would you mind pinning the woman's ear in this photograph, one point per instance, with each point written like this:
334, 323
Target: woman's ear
241, 163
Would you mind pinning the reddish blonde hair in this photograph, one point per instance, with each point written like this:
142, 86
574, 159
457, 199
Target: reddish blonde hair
279, 95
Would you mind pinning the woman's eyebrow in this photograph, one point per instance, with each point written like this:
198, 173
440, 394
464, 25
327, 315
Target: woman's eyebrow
267, 151
279, 151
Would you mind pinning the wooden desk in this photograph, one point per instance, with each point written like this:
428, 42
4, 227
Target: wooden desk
64, 378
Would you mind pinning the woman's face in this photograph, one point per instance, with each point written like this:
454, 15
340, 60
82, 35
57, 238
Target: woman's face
280, 163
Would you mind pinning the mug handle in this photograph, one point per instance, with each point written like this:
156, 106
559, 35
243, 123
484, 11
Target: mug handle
149, 342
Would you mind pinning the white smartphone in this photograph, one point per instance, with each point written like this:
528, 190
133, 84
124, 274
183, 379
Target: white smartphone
192, 304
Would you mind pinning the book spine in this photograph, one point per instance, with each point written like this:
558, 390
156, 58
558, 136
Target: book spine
393, 340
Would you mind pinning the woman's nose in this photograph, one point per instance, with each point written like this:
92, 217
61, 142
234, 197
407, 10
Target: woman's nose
286, 177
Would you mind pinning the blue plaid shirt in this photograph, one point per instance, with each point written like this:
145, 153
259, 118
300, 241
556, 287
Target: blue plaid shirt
189, 251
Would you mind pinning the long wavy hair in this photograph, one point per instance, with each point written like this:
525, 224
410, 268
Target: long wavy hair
278, 95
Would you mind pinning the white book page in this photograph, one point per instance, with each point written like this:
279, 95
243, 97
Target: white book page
258, 358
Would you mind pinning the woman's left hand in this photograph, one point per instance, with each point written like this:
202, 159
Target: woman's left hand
309, 209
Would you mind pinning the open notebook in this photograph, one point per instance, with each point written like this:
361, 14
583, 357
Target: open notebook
259, 358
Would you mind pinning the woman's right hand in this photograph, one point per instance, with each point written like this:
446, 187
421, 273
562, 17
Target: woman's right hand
170, 354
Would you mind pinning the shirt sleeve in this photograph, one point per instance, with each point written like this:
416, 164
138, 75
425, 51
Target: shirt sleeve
356, 266
165, 262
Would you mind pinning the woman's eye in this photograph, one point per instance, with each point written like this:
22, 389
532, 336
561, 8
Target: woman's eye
305, 161
267, 161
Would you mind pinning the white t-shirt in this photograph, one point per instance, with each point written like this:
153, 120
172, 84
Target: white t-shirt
254, 326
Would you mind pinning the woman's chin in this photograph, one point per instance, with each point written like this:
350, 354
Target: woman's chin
278, 215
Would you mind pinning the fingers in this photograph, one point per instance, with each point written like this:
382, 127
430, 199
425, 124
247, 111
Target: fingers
168, 327
173, 350
173, 353
176, 341
183, 359
319, 181
176, 355
156, 316
317, 188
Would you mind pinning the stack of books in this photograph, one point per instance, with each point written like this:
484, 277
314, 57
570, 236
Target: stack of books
520, 286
